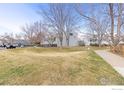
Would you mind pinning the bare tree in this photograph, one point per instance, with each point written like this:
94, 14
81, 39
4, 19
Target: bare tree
55, 17
96, 23
112, 21
49, 34
71, 25
80, 11
7, 38
18, 36
61, 18
116, 18
99, 29
50, 38
34, 32
28, 32
39, 33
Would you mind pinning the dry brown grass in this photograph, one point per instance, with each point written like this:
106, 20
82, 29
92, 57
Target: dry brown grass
54, 66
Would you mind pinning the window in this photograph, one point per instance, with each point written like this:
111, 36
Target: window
71, 34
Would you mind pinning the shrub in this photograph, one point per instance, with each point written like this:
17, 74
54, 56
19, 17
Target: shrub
94, 44
81, 43
118, 49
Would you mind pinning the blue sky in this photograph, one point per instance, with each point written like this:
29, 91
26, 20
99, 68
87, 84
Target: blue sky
14, 16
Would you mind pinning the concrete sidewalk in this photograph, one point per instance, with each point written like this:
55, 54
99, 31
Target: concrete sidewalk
116, 61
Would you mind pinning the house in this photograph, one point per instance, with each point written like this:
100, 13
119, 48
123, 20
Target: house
21, 42
73, 40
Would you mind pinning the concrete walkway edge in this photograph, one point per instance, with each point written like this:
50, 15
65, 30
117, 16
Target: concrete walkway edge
116, 61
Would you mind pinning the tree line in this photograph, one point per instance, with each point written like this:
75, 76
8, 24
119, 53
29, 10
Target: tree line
105, 22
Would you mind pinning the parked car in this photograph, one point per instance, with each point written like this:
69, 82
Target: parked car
10, 46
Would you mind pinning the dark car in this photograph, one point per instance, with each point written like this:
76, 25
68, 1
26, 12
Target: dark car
10, 46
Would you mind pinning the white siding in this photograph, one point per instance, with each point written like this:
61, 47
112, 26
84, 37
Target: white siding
73, 41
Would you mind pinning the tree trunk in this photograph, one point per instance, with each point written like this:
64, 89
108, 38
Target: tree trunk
99, 44
67, 40
112, 22
61, 42
99, 40
119, 21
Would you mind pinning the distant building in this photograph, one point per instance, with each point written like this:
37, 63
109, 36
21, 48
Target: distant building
73, 40
22, 42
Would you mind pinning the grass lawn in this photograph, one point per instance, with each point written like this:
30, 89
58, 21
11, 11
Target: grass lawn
55, 66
